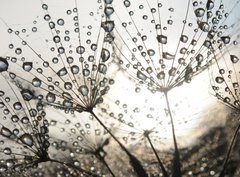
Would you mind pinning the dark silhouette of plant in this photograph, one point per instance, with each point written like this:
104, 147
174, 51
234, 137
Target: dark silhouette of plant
150, 48
75, 78
24, 133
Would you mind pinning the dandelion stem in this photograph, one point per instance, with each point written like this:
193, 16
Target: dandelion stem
106, 164
176, 160
229, 151
74, 167
133, 160
158, 158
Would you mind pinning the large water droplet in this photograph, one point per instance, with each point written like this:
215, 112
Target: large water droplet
168, 56
141, 76
105, 54
199, 12
108, 11
3, 64
27, 95
5, 132
50, 97
17, 106
80, 49
75, 69
234, 58
83, 89
27, 66
225, 39
127, 3
161, 75
204, 26
36, 82
183, 38
210, 4
102, 68
27, 139
162, 39
62, 72
219, 80
108, 26
151, 52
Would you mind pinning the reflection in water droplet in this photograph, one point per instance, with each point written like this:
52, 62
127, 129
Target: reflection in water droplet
26, 139
83, 89
3, 64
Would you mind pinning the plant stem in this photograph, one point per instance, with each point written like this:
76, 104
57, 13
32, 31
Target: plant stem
229, 151
133, 160
176, 160
74, 167
106, 164
158, 158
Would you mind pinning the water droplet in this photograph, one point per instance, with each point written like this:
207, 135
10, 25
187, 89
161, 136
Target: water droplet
3, 64
225, 39
56, 39
210, 5
161, 75
151, 52
60, 22
105, 55
27, 139
62, 72
80, 49
219, 80
18, 51
15, 118
7, 151
108, 11
108, 1
83, 89
168, 56
127, 3
108, 26
162, 39
75, 69
102, 68
183, 38
234, 58
204, 26
86, 72
50, 97
199, 12
36, 82
27, 66
68, 85
141, 76
172, 71
5, 132
17, 106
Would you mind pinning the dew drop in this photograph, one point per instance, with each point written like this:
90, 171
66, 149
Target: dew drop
3, 64
83, 89
27, 66
161, 75
50, 97
162, 39
105, 55
172, 71
7, 151
108, 11
204, 26
199, 12
102, 68
36, 82
5, 132
151, 52
225, 39
210, 5
60, 22
75, 69
18, 51
80, 49
86, 72
27, 139
219, 80
108, 26
17, 106
141, 76
108, 1
234, 58
127, 3
183, 38
168, 56
62, 72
